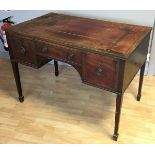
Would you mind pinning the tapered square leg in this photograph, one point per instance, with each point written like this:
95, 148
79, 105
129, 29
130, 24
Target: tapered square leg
56, 68
140, 82
17, 80
119, 99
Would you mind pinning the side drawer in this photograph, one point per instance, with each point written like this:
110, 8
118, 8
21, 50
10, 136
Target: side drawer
22, 49
101, 71
58, 52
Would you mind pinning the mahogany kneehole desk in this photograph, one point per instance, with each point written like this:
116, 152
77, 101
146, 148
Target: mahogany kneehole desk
106, 54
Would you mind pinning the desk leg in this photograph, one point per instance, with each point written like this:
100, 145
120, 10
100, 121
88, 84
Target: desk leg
117, 115
56, 68
17, 80
140, 82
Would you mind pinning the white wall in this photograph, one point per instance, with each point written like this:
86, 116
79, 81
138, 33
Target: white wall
125, 16
151, 65
132, 17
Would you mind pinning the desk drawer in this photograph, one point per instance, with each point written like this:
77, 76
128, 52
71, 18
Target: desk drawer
22, 49
100, 71
58, 52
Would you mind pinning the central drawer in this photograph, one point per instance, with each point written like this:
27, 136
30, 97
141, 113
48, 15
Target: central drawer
100, 71
58, 52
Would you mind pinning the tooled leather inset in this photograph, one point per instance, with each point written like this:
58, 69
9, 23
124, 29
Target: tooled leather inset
97, 35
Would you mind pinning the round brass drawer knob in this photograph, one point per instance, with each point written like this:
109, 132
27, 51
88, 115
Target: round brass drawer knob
99, 71
23, 51
44, 49
71, 56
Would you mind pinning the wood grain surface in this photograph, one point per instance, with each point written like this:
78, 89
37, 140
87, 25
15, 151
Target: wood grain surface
84, 33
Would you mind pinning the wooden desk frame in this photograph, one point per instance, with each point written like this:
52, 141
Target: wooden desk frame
92, 66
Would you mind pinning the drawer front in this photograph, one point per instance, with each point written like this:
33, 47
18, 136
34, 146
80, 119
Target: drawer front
22, 49
100, 71
58, 52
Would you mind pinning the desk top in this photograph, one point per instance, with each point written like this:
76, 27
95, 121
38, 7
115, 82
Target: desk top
83, 33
